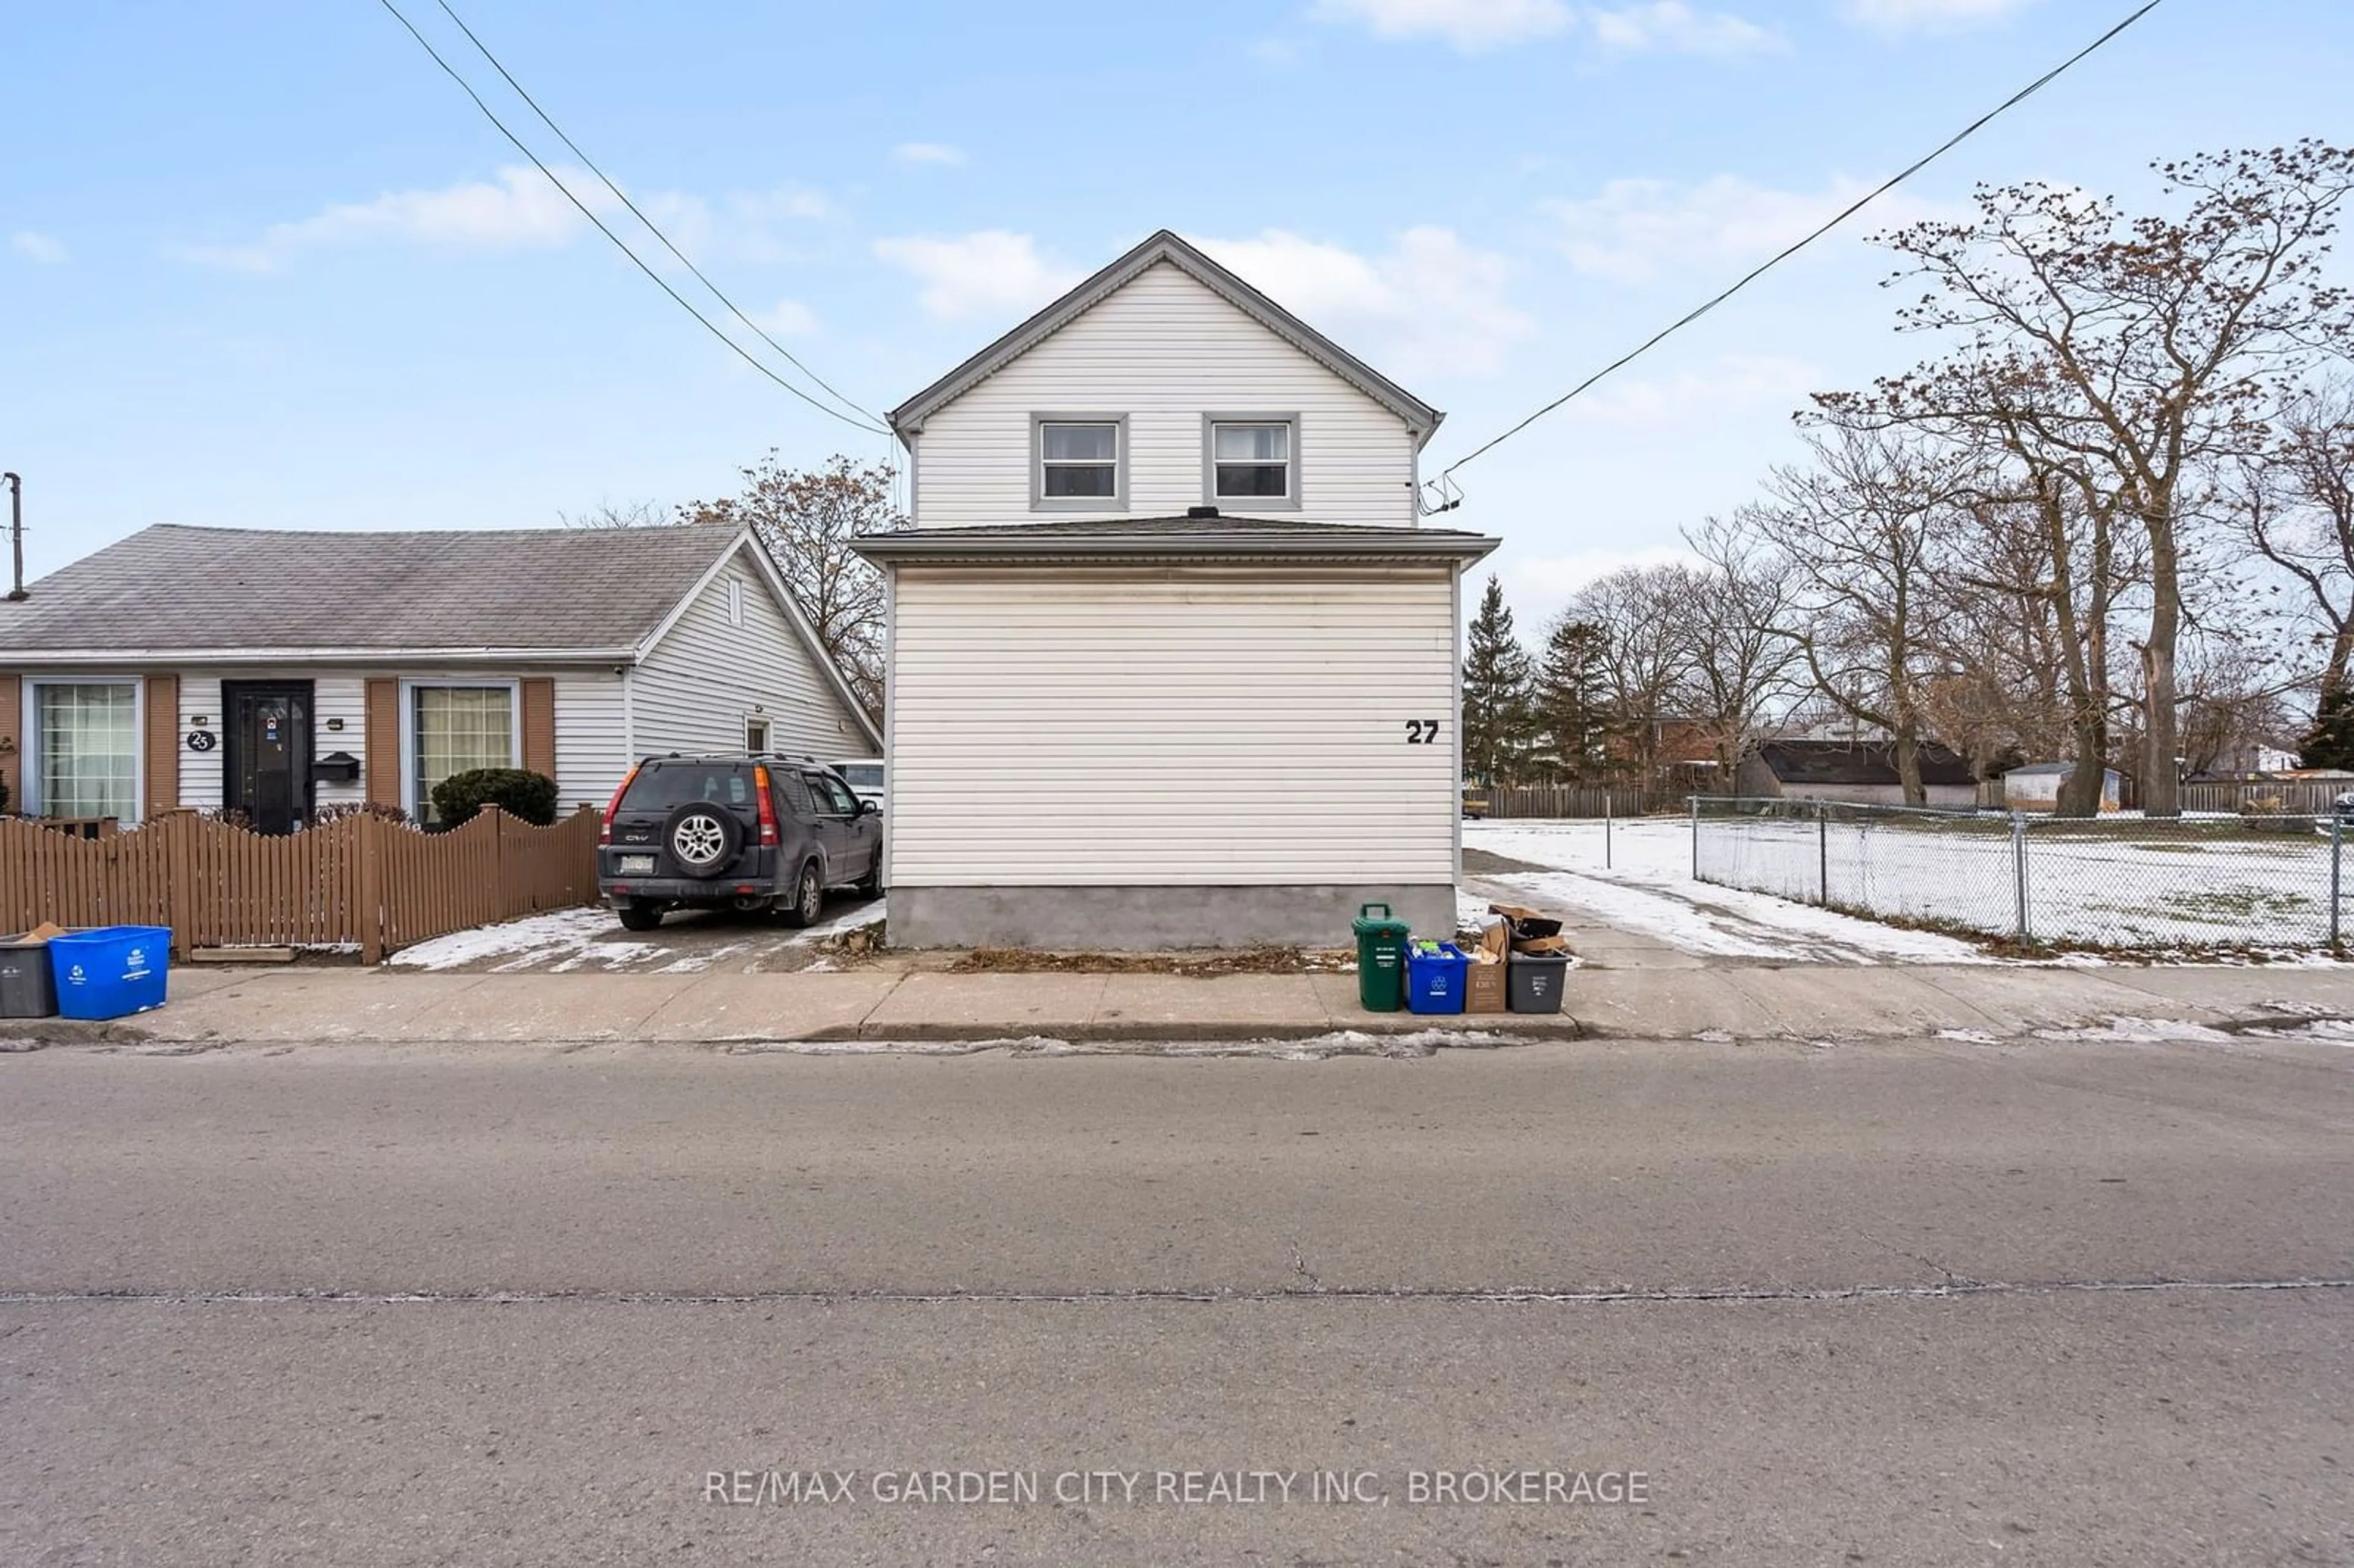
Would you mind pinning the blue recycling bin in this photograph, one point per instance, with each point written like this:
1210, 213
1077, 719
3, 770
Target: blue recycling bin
1435, 979
112, 972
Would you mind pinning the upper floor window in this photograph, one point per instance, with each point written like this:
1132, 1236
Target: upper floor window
1082, 463
1253, 461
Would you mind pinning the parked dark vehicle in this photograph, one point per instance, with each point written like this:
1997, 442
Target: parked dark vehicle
734, 832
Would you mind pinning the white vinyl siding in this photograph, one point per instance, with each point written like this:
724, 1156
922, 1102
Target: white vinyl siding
592, 750
1145, 726
706, 676
1163, 351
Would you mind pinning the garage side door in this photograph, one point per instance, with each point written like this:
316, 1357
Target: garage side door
1185, 726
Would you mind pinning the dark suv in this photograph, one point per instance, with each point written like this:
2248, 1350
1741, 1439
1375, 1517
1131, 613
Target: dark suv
735, 831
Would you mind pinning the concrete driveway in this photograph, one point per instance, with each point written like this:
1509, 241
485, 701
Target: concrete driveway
688, 941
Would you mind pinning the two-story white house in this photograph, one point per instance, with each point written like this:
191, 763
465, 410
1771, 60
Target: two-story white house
1171, 661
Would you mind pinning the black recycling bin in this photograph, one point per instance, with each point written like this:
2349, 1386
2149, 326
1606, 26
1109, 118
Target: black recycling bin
28, 988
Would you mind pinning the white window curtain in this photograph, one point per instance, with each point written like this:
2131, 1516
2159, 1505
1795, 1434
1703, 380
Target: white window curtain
458, 729
88, 741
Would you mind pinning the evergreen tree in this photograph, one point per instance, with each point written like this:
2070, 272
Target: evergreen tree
2330, 742
1570, 705
1495, 691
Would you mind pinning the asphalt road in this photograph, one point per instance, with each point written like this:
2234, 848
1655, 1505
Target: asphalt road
1916, 1303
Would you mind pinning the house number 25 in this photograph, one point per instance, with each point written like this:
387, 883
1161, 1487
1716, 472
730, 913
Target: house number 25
1422, 732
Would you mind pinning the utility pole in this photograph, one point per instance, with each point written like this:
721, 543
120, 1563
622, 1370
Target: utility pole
16, 595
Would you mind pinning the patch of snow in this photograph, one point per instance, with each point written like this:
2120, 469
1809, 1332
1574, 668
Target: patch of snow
2330, 1031
695, 963
1648, 888
2142, 1032
864, 914
605, 956
537, 935
1968, 1036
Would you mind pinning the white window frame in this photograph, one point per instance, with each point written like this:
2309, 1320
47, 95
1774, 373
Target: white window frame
1041, 502
767, 734
28, 754
736, 601
409, 684
1289, 502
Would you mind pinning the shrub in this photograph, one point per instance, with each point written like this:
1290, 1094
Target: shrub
517, 792
342, 809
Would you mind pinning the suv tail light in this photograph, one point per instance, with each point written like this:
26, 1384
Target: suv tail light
605, 829
767, 805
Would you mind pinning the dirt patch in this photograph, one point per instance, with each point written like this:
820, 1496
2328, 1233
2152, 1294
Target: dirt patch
1485, 863
1237, 961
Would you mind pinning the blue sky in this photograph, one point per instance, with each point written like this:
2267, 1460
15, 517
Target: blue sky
263, 264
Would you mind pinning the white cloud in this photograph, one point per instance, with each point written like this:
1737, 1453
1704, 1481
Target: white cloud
787, 318
44, 247
1929, 16
1671, 27
928, 152
1637, 228
1737, 385
1431, 305
1468, 25
992, 273
520, 209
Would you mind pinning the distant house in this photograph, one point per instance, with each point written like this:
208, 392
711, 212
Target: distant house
2036, 787
276, 672
1859, 772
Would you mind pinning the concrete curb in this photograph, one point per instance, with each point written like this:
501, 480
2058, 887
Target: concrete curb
51, 1033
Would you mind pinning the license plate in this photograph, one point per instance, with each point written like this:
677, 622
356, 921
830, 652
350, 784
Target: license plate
637, 866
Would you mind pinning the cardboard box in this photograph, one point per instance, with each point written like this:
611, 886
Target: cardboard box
1484, 983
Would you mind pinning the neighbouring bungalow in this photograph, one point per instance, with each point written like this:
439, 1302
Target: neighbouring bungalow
275, 674
1859, 772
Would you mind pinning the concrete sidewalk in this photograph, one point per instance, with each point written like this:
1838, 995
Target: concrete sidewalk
328, 1005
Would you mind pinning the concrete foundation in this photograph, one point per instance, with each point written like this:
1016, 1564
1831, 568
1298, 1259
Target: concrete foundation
1135, 919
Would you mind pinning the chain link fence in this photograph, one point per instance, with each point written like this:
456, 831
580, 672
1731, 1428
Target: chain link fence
2210, 882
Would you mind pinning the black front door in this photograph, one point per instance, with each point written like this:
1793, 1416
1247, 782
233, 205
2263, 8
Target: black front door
266, 772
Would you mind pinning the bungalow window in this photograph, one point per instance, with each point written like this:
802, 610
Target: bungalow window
1253, 460
86, 749
454, 729
1079, 460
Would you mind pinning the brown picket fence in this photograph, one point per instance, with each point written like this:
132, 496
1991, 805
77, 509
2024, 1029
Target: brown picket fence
361, 882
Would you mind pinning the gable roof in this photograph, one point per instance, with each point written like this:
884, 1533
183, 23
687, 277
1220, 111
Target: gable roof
595, 592
1167, 247
1857, 762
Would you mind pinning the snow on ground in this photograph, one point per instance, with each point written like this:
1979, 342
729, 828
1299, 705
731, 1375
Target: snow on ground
570, 940
1648, 888
2156, 885
536, 936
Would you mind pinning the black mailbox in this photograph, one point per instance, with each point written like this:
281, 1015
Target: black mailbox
337, 767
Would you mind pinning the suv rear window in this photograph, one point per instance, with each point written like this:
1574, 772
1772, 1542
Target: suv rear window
660, 786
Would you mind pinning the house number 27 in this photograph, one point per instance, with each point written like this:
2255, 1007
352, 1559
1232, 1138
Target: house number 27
1422, 732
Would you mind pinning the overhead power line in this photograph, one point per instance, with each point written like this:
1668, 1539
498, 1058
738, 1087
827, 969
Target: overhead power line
1966, 131
652, 227
660, 281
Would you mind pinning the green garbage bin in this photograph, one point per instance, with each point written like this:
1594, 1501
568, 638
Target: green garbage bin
1380, 960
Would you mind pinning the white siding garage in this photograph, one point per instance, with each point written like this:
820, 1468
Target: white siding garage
1171, 752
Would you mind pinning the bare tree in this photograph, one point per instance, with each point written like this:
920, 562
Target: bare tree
1856, 530
2151, 344
619, 514
1743, 660
2297, 500
807, 521
1646, 650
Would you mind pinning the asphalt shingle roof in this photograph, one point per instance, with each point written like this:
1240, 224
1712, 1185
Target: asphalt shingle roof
171, 588
1857, 762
